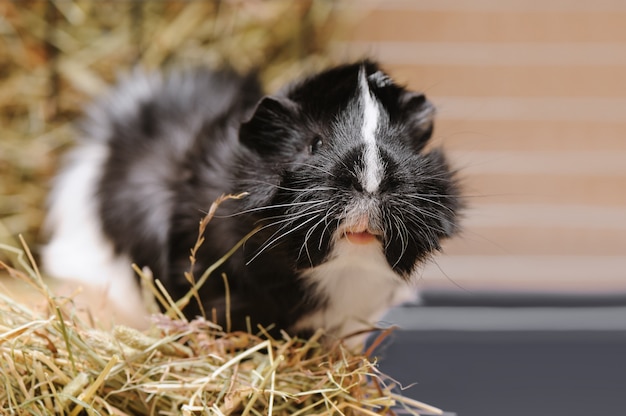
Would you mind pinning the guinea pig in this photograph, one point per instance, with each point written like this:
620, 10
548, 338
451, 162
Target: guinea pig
346, 202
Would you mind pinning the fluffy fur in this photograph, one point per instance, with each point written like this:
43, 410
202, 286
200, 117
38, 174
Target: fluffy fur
332, 156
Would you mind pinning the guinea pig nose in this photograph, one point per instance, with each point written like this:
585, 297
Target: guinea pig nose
349, 180
357, 185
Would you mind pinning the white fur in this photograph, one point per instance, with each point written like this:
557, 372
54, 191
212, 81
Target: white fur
373, 171
78, 251
359, 287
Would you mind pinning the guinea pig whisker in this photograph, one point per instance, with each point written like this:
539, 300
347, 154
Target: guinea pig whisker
267, 242
305, 246
411, 217
407, 238
429, 230
312, 229
387, 226
424, 211
307, 236
308, 165
285, 188
271, 242
287, 218
268, 207
309, 205
429, 200
326, 226
308, 190
401, 220
433, 195
403, 231
402, 234
411, 209
428, 235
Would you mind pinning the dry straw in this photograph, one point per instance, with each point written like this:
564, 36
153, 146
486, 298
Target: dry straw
56, 362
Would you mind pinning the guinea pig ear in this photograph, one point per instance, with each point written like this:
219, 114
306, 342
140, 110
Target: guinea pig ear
419, 116
271, 124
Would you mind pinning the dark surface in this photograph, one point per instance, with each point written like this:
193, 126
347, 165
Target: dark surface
520, 299
499, 372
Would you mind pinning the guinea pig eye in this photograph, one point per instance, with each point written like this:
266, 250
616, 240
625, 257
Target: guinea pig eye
316, 144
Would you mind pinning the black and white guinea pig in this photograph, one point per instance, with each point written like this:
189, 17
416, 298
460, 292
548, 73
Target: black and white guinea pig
347, 201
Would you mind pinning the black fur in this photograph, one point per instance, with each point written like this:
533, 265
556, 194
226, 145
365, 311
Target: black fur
199, 134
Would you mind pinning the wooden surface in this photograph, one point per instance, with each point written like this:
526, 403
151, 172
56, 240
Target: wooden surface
531, 101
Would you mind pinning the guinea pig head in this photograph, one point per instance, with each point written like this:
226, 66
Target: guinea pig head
343, 161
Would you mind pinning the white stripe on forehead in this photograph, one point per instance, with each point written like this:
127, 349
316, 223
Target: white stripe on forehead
372, 172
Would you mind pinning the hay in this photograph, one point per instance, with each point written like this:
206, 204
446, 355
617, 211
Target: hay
56, 362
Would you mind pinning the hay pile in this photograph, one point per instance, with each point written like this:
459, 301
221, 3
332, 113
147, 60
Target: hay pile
56, 362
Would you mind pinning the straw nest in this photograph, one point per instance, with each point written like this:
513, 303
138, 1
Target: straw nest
56, 362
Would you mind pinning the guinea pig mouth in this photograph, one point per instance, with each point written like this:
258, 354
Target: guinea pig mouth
359, 234
360, 226
363, 237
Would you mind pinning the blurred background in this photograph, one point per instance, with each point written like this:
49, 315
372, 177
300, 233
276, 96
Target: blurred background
532, 106
525, 312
